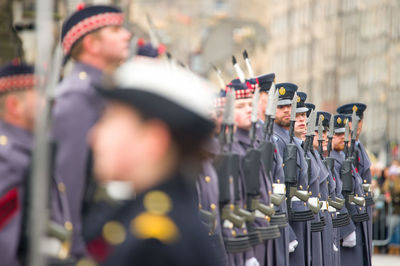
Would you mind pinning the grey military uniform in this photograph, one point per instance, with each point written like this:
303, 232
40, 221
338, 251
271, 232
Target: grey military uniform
314, 189
242, 143
358, 255
208, 200
329, 234
363, 166
302, 230
77, 107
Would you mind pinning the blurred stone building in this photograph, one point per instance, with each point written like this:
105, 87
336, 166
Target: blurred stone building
337, 51
340, 51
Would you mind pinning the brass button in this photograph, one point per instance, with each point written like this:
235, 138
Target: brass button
244, 231
360, 209
212, 206
269, 192
230, 180
233, 233
319, 195
68, 226
301, 187
157, 202
200, 206
267, 218
114, 232
208, 179
305, 204
279, 181
365, 180
82, 75
61, 187
232, 207
3, 140
283, 165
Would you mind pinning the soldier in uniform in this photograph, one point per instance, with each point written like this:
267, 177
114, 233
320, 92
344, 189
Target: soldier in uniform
149, 137
17, 111
281, 244
363, 163
313, 175
300, 255
95, 39
327, 191
207, 187
17, 96
354, 249
243, 110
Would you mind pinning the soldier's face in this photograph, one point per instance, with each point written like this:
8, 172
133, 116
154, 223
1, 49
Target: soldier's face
283, 115
300, 126
338, 141
30, 106
324, 143
114, 42
243, 113
127, 148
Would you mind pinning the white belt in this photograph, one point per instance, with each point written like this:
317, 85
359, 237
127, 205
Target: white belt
325, 205
294, 198
313, 200
279, 188
331, 209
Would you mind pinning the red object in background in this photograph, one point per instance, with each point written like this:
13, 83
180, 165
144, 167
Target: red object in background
80, 6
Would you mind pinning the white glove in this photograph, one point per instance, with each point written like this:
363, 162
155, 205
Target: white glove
335, 248
252, 262
350, 240
293, 246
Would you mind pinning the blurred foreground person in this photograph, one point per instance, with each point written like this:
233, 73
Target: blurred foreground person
95, 39
17, 106
150, 137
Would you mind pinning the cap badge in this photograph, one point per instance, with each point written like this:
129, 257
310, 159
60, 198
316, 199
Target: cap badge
282, 91
298, 99
321, 117
355, 108
339, 120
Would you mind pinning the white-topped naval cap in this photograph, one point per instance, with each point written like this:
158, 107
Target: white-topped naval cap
176, 84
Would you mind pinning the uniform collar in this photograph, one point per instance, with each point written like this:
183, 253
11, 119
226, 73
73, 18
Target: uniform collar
21, 136
242, 136
91, 71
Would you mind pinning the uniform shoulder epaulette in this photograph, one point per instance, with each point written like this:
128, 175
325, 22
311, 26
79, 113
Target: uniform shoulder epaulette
155, 222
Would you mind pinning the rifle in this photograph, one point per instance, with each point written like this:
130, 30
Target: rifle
313, 203
353, 153
347, 177
224, 164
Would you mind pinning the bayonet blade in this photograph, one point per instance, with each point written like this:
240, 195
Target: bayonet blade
346, 131
254, 110
153, 36
293, 108
268, 110
219, 76
331, 127
320, 128
354, 124
313, 122
231, 112
274, 101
